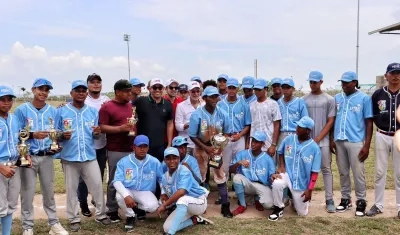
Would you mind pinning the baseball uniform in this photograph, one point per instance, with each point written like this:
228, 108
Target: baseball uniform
193, 164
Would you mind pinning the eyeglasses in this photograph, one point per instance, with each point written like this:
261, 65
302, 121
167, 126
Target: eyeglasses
173, 87
157, 88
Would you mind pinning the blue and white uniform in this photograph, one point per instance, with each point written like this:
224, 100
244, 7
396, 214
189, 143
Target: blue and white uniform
249, 100
192, 163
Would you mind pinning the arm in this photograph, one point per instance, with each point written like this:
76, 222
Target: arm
121, 189
170, 131
326, 130
275, 136
179, 119
281, 167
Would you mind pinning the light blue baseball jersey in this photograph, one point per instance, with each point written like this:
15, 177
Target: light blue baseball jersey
182, 178
80, 147
138, 175
238, 114
37, 120
260, 169
250, 99
291, 112
203, 125
223, 96
351, 112
9, 133
192, 163
300, 160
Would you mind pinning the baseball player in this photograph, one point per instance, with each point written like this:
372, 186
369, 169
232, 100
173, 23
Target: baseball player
276, 88
136, 87
299, 164
385, 102
135, 180
247, 86
352, 139
79, 124
37, 114
222, 79
253, 169
206, 122
322, 110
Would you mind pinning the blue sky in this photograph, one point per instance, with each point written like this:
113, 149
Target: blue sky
67, 40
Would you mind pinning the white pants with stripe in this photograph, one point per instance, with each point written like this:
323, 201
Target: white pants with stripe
277, 190
145, 200
255, 189
9, 192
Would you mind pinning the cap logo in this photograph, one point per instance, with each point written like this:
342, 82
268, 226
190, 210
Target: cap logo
5, 90
396, 66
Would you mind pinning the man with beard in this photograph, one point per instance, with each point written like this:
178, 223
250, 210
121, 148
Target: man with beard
183, 91
172, 96
136, 88
276, 89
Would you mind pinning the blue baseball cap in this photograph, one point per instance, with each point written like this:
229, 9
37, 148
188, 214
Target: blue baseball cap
259, 136
265, 80
349, 77
42, 82
209, 91
136, 81
196, 78
232, 82
260, 83
393, 67
171, 151
222, 76
248, 82
5, 90
305, 122
179, 140
140, 140
288, 81
315, 76
276, 81
78, 83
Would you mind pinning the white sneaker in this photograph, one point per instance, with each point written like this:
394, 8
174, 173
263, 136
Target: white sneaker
28, 232
57, 229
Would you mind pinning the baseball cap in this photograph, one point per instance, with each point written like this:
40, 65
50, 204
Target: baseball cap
276, 81
78, 83
232, 82
194, 85
179, 140
93, 76
140, 140
171, 151
315, 76
196, 78
42, 82
183, 87
393, 67
260, 84
259, 136
349, 77
122, 85
248, 82
288, 81
136, 81
305, 122
5, 90
156, 81
170, 81
209, 91
222, 76
265, 80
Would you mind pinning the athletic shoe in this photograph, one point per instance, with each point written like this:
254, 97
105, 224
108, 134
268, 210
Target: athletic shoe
398, 215
140, 214
225, 211
75, 227
104, 221
28, 232
57, 229
373, 211
130, 224
360, 209
259, 207
114, 217
345, 204
218, 201
240, 210
276, 214
330, 206
197, 219
85, 210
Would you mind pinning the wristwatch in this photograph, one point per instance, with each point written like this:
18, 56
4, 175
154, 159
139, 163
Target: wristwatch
274, 144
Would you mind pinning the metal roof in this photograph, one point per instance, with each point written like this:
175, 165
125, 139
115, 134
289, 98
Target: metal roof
388, 30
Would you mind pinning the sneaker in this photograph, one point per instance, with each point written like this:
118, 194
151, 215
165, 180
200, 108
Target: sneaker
373, 211
330, 206
360, 209
28, 232
75, 227
225, 211
104, 221
259, 207
345, 204
240, 210
197, 219
57, 229
398, 215
130, 224
114, 217
85, 210
276, 214
218, 201
140, 214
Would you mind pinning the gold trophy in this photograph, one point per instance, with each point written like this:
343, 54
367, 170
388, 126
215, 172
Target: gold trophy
132, 120
218, 142
53, 135
22, 148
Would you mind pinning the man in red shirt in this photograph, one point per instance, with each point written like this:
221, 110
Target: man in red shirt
172, 96
113, 122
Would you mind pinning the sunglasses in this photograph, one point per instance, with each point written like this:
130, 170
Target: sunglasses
173, 87
157, 88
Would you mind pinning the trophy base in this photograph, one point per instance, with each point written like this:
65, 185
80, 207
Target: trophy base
23, 163
54, 147
132, 133
215, 164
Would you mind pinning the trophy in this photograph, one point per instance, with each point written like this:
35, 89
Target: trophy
132, 120
53, 135
22, 148
219, 142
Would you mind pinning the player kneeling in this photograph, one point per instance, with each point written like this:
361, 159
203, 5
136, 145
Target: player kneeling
299, 164
179, 186
254, 169
135, 180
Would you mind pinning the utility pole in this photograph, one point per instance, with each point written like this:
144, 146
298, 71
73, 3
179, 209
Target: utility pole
358, 35
255, 69
127, 38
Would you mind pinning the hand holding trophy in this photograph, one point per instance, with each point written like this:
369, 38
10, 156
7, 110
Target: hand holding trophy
53, 133
132, 120
218, 142
23, 148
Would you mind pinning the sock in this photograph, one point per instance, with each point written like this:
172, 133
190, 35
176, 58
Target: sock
285, 193
180, 213
223, 193
239, 189
6, 224
185, 224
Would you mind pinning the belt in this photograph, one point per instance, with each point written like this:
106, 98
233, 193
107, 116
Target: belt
231, 134
42, 153
386, 133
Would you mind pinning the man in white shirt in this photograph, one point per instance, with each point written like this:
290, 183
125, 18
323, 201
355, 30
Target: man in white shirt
185, 109
95, 100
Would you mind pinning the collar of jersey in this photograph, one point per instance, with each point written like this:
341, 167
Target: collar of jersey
153, 101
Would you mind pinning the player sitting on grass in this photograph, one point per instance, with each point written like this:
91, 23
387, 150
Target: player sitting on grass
254, 169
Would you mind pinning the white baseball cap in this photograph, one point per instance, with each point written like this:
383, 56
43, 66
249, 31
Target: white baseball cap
156, 81
193, 85
170, 81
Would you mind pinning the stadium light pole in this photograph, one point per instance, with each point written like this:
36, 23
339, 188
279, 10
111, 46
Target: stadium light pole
358, 35
127, 38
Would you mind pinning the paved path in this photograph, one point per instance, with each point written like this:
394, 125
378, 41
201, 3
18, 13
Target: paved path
317, 206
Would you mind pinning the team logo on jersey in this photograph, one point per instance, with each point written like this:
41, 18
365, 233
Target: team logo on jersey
356, 108
288, 150
149, 176
307, 159
90, 123
203, 126
29, 122
129, 174
382, 105
261, 171
294, 116
67, 123
239, 115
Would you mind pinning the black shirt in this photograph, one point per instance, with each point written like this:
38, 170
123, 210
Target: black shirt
384, 105
153, 118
